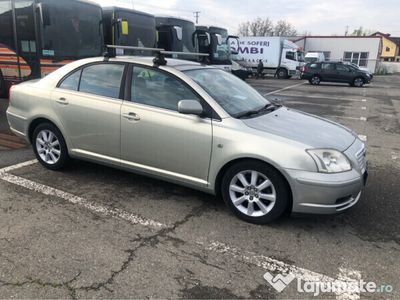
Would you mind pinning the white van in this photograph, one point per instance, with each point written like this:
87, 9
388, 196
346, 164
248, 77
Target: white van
312, 57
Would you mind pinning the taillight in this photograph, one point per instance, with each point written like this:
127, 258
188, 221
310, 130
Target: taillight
303, 69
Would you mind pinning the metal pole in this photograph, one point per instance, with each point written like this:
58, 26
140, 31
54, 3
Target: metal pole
197, 15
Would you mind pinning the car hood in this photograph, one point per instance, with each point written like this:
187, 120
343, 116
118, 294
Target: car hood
311, 130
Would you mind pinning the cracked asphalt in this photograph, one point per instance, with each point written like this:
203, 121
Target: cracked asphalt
54, 248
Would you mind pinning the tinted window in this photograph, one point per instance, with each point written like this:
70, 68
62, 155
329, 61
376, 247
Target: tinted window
71, 29
158, 89
71, 82
103, 80
342, 68
314, 66
328, 67
142, 30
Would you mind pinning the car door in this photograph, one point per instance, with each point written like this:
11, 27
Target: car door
155, 137
88, 104
344, 73
328, 71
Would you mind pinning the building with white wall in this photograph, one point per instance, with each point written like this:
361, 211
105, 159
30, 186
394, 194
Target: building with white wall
364, 51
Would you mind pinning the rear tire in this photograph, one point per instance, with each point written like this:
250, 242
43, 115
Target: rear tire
255, 192
2, 86
282, 73
315, 80
49, 146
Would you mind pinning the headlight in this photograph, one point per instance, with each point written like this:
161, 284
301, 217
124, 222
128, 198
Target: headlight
330, 161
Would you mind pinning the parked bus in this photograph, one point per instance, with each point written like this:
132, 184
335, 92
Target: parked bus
214, 41
39, 36
128, 27
176, 34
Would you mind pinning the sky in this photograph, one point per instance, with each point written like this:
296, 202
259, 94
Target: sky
316, 17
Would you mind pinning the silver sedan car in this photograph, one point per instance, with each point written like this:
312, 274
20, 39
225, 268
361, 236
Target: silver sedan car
192, 125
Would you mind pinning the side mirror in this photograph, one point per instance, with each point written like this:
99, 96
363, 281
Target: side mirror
179, 32
124, 27
190, 107
219, 39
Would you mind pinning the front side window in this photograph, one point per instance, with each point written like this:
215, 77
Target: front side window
158, 89
342, 68
102, 79
231, 93
71, 82
290, 55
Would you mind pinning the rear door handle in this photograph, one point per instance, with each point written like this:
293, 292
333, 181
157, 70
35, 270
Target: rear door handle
62, 100
131, 116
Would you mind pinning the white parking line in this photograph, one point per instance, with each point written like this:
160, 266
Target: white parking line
47, 190
364, 119
276, 266
18, 166
284, 89
321, 97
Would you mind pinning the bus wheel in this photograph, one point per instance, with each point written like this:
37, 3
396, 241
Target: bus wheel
2, 86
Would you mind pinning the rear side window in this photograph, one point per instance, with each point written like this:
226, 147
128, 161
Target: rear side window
71, 82
314, 66
102, 79
328, 67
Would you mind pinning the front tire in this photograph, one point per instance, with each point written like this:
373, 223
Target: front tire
49, 146
358, 82
255, 192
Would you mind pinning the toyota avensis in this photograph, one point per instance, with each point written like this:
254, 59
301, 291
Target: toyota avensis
193, 125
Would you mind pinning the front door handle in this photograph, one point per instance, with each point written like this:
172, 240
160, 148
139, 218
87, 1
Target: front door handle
131, 116
62, 100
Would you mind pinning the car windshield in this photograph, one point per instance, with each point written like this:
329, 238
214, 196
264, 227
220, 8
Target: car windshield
234, 95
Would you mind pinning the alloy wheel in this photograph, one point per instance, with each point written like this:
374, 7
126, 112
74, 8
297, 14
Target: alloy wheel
48, 147
252, 193
358, 82
315, 80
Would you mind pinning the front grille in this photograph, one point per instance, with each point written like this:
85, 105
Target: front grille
360, 156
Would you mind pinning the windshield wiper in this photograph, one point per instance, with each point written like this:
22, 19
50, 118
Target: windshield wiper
267, 108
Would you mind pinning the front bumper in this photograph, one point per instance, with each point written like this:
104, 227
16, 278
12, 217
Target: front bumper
318, 193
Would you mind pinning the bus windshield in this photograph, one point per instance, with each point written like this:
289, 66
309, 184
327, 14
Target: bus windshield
188, 30
220, 52
142, 30
71, 30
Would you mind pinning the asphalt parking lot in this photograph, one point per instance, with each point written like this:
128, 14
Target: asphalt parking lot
95, 232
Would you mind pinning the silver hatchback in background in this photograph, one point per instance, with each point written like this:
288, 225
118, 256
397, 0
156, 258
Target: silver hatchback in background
192, 125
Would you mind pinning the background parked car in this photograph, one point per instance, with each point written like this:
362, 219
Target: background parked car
315, 73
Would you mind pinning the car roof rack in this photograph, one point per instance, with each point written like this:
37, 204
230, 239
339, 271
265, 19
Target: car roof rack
159, 53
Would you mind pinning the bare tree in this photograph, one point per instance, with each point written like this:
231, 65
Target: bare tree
284, 28
362, 32
244, 29
258, 27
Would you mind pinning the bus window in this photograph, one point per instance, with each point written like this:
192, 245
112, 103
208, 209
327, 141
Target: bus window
72, 30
